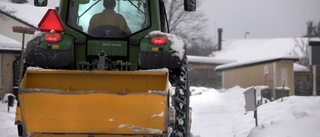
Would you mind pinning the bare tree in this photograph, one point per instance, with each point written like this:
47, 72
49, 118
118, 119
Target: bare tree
301, 46
8, 11
313, 29
190, 26
301, 49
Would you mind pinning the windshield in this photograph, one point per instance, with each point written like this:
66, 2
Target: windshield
109, 18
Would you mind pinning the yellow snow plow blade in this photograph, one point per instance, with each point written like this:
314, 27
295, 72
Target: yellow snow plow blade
95, 103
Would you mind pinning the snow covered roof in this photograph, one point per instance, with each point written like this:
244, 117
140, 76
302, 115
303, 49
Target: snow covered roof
314, 42
208, 60
27, 13
254, 62
300, 68
252, 51
315, 39
9, 44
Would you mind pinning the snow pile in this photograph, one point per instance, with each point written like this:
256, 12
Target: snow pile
215, 111
221, 113
294, 117
7, 127
176, 42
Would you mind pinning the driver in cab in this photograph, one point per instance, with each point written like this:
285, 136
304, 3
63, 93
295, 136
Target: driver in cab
108, 17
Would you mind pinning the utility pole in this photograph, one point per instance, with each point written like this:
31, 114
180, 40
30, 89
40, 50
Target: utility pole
23, 30
314, 47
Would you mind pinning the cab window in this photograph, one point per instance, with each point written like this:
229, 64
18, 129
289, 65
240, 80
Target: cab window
109, 18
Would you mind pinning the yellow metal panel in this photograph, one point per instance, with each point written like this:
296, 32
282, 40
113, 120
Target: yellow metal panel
18, 115
94, 113
97, 102
112, 81
86, 135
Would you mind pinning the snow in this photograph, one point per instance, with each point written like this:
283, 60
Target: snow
7, 127
140, 129
209, 60
9, 44
177, 43
315, 39
254, 50
300, 68
253, 61
249, 49
221, 113
286, 88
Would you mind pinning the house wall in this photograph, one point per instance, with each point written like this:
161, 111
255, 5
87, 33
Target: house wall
254, 76
6, 29
303, 83
7, 59
248, 76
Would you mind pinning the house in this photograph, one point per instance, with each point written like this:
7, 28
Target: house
303, 79
9, 63
201, 71
22, 15
267, 62
275, 73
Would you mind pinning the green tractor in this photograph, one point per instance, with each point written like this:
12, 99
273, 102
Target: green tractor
108, 68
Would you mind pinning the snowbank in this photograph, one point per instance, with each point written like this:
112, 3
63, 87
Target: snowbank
221, 113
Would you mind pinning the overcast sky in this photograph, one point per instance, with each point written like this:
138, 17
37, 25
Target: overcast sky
262, 18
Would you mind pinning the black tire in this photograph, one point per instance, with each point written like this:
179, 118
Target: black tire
20, 130
179, 79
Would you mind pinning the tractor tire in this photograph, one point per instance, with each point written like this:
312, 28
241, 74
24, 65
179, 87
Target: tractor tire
180, 100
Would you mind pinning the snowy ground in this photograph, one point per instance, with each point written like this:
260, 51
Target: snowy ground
221, 113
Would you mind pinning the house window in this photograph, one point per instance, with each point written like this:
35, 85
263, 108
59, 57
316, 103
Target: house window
284, 76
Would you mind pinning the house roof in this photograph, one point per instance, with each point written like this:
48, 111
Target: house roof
208, 60
300, 68
256, 51
314, 42
25, 13
255, 62
9, 44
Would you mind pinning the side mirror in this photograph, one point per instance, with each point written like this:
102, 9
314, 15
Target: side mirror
40, 3
190, 5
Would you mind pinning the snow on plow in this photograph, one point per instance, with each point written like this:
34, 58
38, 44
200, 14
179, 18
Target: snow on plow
56, 102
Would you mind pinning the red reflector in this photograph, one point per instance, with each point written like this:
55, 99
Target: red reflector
159, 40
51, 21
52, 37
